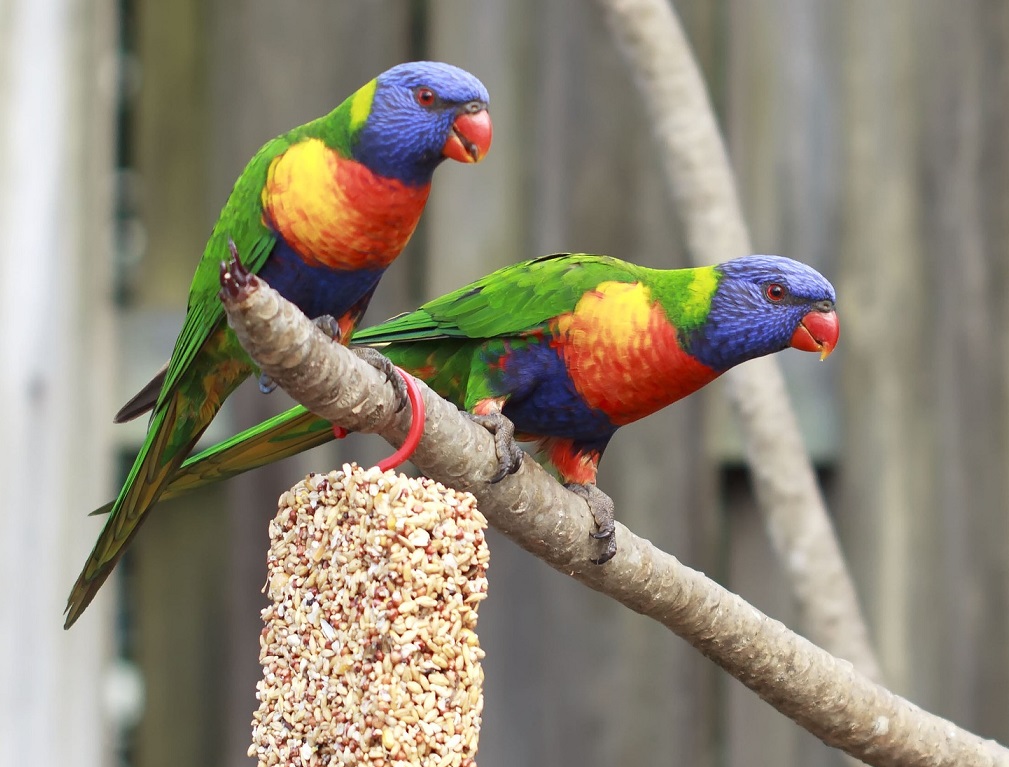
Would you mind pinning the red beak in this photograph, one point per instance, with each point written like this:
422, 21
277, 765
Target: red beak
470, 137
817, 332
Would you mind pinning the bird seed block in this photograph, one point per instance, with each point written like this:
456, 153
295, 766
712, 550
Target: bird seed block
369, 651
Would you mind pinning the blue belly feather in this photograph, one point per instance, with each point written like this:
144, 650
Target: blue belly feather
318, 290
543, 400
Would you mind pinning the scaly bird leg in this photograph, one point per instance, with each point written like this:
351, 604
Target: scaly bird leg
509, 454
601, 506
382, 364
327, 324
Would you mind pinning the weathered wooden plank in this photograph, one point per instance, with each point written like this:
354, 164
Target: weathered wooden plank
169, 625
57, 103
171, 152
780, 114
962, 193
887, 441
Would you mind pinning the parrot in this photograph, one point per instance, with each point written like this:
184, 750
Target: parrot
319, 212
563, 350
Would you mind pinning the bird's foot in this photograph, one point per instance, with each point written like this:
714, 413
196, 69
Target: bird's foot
601, 506
509, 454
236, 280
327, 324
266, 384
382, 364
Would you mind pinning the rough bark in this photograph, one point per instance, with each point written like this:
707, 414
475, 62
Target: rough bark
704, 195
825, 695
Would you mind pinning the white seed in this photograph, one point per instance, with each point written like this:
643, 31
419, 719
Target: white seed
327, 630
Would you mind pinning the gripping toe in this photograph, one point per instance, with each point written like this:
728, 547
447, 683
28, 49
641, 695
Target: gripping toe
383, 364
509, 454
602, 508
328, 324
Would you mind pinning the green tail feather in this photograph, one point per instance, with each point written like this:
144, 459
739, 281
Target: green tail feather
282, 436
158, 460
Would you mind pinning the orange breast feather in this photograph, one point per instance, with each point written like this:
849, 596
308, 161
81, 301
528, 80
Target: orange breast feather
623, 355
335, 212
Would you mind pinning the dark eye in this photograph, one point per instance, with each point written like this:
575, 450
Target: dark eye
426, 97
775, 291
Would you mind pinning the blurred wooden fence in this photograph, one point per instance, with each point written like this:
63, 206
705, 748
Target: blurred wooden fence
871, 140
57, 97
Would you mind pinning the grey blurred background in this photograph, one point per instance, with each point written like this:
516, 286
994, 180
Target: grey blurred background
870, 140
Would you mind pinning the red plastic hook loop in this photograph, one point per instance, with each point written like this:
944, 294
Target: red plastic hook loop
416, 425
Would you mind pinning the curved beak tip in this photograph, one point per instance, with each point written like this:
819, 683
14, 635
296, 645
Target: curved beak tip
817, 332
470, 137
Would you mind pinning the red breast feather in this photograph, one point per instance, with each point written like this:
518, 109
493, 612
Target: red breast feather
623, 355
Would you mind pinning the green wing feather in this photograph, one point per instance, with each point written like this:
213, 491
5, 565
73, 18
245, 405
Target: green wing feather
241, 220
289, 433
284, 435
510, 301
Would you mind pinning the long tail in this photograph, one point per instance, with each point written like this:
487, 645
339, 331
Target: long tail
163, 451
282, 436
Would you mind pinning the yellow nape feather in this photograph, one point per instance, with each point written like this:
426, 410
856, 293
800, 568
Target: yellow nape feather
360, 104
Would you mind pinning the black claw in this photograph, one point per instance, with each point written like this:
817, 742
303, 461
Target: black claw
509, 454
327, 324
601, 506
606, 556
383, 364
266, 384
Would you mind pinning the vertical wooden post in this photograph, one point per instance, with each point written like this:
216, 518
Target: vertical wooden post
888, 441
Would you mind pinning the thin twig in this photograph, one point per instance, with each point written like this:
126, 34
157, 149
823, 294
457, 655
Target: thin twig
823, 694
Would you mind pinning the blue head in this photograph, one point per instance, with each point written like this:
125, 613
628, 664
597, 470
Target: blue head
421, 113
764, 304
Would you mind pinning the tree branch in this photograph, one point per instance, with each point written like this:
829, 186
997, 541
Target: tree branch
823, 694
704, 192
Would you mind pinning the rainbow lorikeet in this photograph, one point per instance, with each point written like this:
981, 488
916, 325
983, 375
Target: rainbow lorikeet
319, 212
569, 348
